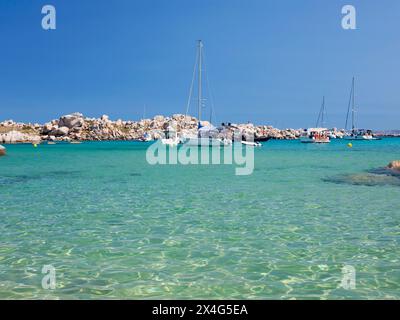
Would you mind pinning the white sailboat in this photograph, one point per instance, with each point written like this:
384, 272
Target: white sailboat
206, 135
171, 138
319, 134
356, 134
146, 136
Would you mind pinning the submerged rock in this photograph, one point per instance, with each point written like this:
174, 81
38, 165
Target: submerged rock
389, 175
386, 171
2, 150
394, 165
365, 179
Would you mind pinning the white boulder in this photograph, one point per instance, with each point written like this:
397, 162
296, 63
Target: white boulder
71, 120
61, 131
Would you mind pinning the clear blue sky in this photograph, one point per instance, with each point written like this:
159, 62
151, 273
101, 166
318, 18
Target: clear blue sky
269, 61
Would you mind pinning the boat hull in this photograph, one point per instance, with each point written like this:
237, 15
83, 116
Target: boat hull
360, 138
206, 142
310, 140
252, 144
170, 142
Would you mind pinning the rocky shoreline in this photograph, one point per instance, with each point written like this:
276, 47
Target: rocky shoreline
76, 127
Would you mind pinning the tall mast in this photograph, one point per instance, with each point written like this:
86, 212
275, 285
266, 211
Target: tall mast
323, 112
200, 45
353, 109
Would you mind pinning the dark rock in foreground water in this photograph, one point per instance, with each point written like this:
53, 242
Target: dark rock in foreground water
389, 175
394, 165
365, 179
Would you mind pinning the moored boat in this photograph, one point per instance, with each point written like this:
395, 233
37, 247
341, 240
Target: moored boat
146, 138
315, 135
171, 138
206, 135
251, 143
356, 134
361, 134
319, 134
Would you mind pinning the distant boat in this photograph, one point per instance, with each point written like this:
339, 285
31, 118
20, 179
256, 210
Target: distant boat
315, 135
206, 135
2, 150
250, 140
251, 143
75, 142
356, 134
146, 138
319, 134
51, 142
171, 138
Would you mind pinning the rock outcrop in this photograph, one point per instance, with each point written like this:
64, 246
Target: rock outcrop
19, 137
71, 121
59, 131
394, 165
77, 127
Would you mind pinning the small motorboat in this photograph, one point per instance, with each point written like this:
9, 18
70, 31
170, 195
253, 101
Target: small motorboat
205, 141
172, 142
315, 135
75, 142
252, 143
146, 138
2, 150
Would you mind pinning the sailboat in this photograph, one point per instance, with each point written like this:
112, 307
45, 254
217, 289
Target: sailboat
171, 137
206, 135
356, 134
319, 134
146, 136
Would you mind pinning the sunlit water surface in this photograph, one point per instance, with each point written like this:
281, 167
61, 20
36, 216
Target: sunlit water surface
115, 227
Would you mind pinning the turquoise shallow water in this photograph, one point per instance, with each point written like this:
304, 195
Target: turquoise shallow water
115, 227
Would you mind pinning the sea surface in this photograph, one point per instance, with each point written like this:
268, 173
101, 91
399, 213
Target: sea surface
115, 227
